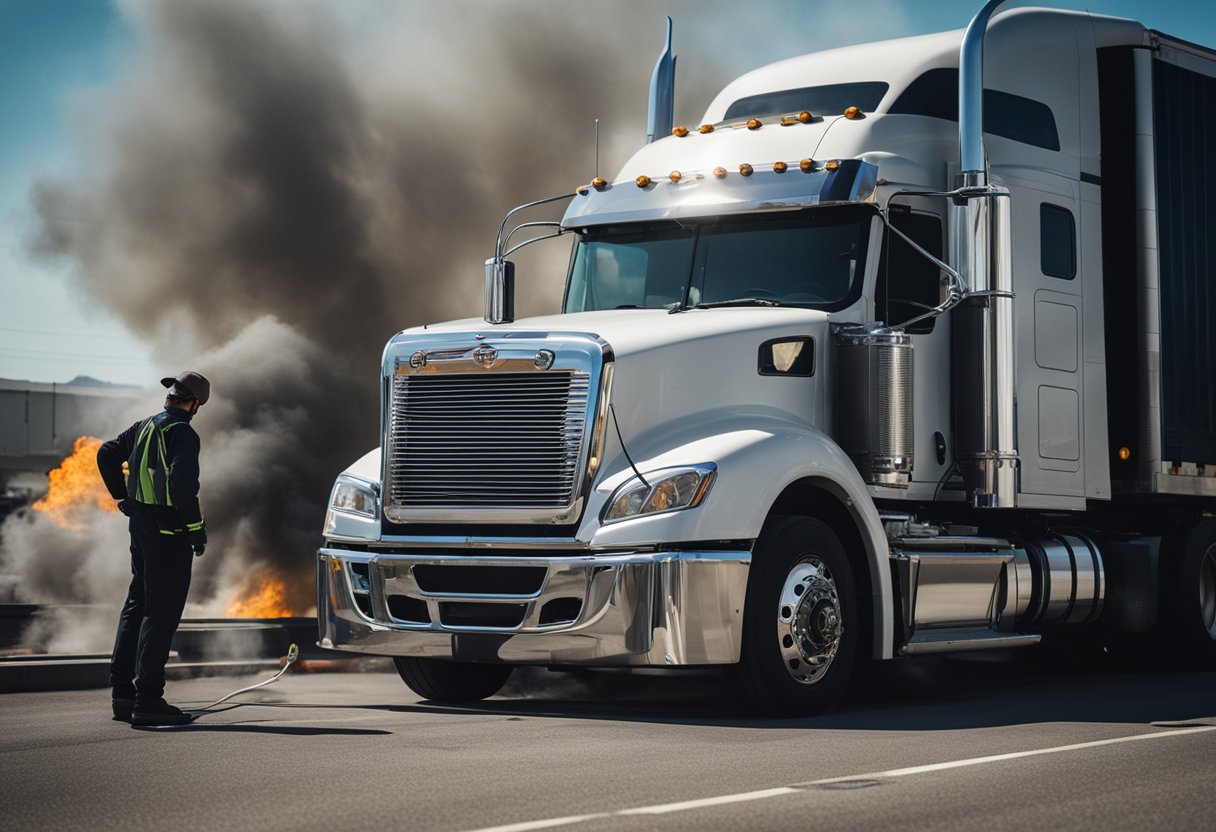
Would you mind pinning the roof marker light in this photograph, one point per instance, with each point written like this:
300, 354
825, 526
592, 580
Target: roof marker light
786, 121
852, 113
674, 176
753, 124
834, 164
745, 169
780, 167
680, 131
599, 183
581, 190
806, 165
705, 128
720, 172
642, 181
805, 117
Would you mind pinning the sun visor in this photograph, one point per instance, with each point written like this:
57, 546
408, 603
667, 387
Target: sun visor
714, 193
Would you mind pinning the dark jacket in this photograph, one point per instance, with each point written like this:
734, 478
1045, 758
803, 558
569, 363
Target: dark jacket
181, 447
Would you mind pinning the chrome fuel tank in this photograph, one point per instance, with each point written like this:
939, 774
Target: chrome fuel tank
873, 412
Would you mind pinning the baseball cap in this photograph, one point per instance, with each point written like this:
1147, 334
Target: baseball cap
195, 384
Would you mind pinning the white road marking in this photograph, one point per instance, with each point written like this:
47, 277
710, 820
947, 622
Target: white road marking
763, 794
664, 808
543, 824
996, 758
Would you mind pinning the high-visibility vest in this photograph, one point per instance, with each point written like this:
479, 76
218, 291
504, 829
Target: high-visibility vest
148, 469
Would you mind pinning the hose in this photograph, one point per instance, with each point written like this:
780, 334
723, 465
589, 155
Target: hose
293, 653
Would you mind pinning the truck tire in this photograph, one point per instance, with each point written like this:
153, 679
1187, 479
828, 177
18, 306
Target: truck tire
1188, 596
800, 620
444, 681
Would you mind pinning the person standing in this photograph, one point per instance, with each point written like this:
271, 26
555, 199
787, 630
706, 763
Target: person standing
159, 493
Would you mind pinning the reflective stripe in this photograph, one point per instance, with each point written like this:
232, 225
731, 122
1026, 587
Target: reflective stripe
194, 527
164, 466
147, 489
166, 531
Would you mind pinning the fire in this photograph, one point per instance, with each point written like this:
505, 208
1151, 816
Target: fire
264, 595
76, 488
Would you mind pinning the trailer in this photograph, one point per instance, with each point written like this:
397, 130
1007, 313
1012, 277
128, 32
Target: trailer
904, 349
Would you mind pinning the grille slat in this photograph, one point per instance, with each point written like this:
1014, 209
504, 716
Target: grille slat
505, 440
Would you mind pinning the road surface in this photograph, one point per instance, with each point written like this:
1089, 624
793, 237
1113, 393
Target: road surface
1079, 749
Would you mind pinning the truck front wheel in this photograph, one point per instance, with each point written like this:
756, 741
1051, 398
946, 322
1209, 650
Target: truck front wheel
800, 622
444, 681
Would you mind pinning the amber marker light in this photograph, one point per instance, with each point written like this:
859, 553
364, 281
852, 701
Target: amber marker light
831, 166
805, 117
780, 167
642, 181
680, 130
753, 124
788, 120
720, 172
1125, 454
852, 113
581, 191
705, 128
745, 169
599, 183
674, 176
806, 165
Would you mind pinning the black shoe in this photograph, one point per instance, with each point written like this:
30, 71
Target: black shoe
122, 708
158, 712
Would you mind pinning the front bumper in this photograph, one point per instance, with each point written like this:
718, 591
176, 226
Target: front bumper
622, 609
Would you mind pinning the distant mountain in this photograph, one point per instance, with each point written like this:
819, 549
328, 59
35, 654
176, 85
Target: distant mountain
89, 381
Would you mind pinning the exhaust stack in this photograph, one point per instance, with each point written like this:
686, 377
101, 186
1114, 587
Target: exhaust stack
984, 371
661, 115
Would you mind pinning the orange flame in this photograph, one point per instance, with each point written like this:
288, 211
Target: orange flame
264, 595
76, 488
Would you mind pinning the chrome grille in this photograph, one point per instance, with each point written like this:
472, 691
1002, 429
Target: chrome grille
492, 440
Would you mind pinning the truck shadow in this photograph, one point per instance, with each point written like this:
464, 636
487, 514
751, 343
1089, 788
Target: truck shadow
928, 694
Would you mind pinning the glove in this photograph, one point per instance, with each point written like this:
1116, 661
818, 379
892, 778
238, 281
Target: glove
198, 542
125, 506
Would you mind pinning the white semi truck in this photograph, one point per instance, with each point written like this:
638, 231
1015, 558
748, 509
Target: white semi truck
906, 348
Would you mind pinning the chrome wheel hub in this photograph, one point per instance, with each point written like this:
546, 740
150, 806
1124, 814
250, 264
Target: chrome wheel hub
809, 621
1207, 591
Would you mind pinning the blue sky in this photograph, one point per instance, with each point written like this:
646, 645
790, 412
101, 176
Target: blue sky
52, 50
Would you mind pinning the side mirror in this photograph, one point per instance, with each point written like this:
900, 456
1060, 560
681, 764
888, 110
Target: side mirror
500, 291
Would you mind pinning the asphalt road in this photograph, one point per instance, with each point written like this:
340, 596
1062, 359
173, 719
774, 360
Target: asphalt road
1086, 749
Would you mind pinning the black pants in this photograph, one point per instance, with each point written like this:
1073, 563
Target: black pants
160, 579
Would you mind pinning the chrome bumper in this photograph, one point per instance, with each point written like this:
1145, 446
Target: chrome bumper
661, 608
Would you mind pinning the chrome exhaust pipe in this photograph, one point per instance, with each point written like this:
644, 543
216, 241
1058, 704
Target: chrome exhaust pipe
984, 369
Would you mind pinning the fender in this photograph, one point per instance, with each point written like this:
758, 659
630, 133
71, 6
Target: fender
758, 457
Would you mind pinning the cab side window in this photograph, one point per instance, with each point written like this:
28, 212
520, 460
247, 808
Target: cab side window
1057, 242
909, 284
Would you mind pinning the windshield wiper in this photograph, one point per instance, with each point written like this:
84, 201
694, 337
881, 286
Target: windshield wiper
738, 302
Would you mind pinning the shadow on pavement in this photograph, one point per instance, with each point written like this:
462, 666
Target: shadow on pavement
247, 728
925, 694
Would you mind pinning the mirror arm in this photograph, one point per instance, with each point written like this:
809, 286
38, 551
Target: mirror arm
498, 255
531, 240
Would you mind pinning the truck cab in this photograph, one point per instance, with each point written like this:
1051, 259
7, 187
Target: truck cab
899, 350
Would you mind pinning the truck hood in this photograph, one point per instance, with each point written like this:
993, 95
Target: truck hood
672, 373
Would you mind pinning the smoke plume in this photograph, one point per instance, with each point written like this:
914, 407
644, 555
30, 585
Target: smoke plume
268, 190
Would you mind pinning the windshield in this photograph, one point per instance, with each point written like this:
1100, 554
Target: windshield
813, 258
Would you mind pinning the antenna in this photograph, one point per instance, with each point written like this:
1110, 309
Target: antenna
597, 147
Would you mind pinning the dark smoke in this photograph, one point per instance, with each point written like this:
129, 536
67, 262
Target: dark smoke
270, 190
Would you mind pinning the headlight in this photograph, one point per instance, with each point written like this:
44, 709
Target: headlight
669, 489
354, 497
